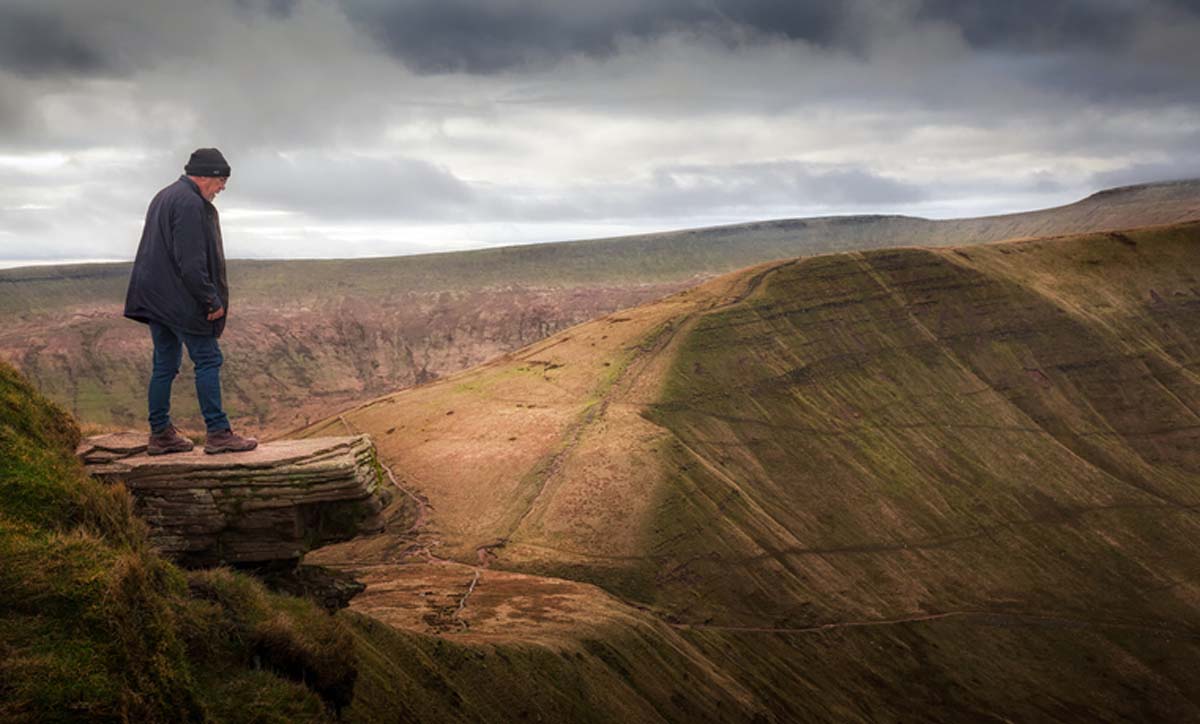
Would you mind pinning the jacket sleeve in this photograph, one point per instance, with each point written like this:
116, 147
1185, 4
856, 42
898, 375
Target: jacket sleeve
190, 250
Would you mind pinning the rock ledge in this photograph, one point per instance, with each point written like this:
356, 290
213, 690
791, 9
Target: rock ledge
274, 503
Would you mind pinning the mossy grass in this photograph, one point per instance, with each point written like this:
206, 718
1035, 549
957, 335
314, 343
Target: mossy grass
96, 626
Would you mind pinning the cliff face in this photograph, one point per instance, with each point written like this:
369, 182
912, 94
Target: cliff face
274, 503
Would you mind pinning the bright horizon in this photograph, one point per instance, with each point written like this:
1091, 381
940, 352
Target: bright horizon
452, 246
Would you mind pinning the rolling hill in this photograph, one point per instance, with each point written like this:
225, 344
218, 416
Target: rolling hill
940, 483
310, 336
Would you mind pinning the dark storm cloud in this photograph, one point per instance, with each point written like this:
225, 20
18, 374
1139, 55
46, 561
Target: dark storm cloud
37, 42
485, 37
1191, 6
1108, 78
460, 35
115, 38
1039, 24
428, 35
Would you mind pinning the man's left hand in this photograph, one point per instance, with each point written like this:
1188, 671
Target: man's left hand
214, 316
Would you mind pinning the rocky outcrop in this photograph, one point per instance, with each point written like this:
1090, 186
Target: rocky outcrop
274, 503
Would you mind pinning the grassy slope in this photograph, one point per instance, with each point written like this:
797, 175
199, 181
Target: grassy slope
310, 335
935, 408
1008, 432
915, 482
96, 626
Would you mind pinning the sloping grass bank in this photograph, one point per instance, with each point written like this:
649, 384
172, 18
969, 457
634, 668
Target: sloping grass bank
94, 625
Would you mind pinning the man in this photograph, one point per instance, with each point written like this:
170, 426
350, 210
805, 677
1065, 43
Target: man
178, 287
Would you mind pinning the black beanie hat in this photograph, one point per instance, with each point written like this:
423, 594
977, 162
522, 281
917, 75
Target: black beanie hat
206, 162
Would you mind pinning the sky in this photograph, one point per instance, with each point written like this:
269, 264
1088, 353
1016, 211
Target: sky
373, 127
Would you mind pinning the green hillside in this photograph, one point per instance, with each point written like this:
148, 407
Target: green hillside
1004, 439
922, 483
1024, 416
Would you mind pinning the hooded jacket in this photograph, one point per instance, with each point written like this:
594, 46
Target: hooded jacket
178, 276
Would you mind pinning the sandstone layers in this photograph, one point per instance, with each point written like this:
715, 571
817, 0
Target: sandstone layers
274, 503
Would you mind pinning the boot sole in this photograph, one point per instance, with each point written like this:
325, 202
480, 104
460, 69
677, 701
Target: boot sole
168, 451
222, 450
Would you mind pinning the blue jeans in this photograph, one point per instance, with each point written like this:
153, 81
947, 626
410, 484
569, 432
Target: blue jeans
168, 353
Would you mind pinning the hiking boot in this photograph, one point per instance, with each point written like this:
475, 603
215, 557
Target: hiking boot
227, 441
167, 441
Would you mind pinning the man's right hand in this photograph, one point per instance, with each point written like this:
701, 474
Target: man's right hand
213, 316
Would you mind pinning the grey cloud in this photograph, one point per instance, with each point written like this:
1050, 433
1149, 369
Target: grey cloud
1039, 24
36, 42
1178, 169
434, 36
1191, 6
782, 183
708, 191
459, 35
569, 111
318, 185
1103, 77
12, 110
116, 38
280, 9
413, 191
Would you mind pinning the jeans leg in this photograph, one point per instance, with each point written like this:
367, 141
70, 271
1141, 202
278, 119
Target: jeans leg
206, 356
167, 355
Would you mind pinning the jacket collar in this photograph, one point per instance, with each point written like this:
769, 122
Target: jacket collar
192, 185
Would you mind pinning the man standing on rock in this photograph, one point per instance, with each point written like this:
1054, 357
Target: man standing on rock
178, 287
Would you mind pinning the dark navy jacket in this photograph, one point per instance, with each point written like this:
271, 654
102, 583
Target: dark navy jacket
179, 273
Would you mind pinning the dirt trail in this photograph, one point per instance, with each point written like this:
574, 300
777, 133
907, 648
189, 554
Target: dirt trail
462, 603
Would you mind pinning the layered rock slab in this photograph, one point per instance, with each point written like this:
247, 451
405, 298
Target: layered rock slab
274, 503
